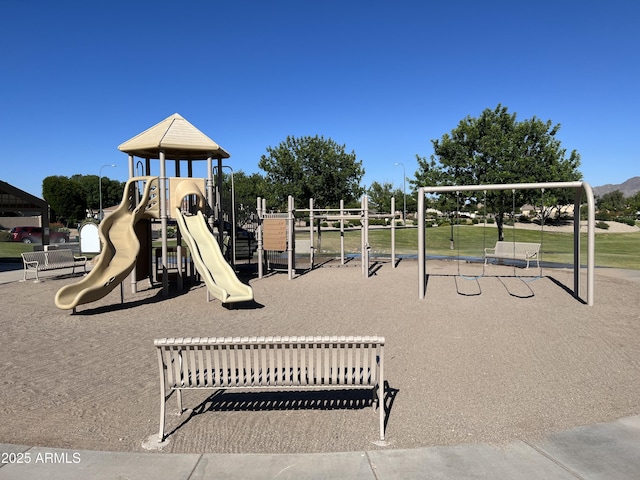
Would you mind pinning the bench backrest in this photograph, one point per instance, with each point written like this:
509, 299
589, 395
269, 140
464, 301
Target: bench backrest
517, 248
49, 257
60, 256
221, 362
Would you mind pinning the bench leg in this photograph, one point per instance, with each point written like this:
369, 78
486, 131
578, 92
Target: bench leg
179, 397
163, 402
381, 406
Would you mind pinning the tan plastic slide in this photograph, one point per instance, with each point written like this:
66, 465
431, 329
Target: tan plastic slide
120, 246
217, 274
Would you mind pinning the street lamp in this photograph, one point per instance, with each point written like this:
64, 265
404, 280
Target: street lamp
404, 192
100, 187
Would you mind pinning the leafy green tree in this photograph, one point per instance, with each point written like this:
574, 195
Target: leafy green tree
90, 184
312, 167
495, 148
634, 204
380, 195
247, 190
612, 202
66, 199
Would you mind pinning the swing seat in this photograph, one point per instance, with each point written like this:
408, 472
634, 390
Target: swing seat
514, 250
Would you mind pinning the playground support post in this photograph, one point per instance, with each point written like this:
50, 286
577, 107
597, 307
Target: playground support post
579, 188
365, 235
259, 212
393, 232
341, 232
311, 239
163, 222
291, 238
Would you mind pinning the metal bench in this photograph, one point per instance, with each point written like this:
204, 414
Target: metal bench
514, 250
273, 363
51, 260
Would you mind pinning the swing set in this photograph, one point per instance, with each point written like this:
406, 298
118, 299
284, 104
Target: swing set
514, 251
578, 187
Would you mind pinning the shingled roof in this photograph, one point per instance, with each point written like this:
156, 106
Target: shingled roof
179, 140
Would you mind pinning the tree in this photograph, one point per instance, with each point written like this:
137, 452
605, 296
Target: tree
90, 185
66, 199
70, 198
312, 167
380, 197
247, 189
634, 205
495, 148
612, 202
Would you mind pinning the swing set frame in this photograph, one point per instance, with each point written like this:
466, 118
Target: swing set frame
579, 188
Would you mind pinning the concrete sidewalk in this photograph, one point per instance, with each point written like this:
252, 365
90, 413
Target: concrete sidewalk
608, 451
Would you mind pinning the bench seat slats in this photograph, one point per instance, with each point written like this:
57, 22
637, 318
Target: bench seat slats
270, 363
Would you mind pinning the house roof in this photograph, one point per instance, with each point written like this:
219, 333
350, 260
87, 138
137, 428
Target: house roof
179, 140
12, 199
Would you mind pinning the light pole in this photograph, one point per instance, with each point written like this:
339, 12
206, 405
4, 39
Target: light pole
100, 187
404, 193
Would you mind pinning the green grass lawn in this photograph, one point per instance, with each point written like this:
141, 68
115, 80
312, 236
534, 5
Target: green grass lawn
619, 250
10, 251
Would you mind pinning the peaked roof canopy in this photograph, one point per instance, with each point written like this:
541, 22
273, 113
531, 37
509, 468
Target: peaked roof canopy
177, 138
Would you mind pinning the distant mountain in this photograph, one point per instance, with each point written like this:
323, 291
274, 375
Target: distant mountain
628, 188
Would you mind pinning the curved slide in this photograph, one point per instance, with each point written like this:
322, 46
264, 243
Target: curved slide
120, 246
217, 274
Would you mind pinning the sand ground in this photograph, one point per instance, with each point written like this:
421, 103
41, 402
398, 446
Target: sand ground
488, 360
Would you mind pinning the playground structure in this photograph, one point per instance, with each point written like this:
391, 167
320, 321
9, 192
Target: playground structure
126, 234
578, 187
276, 232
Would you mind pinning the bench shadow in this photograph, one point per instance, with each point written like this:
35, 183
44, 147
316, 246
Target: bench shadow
344, 399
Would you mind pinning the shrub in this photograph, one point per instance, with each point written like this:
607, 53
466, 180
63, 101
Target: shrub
58, 227
604, 216
524, 219
5, 236
627, 221
602, 225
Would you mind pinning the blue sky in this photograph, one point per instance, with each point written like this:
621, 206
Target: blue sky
383, 78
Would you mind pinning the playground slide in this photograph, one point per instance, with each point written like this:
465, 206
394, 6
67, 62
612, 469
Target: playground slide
217, 274
120, 246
